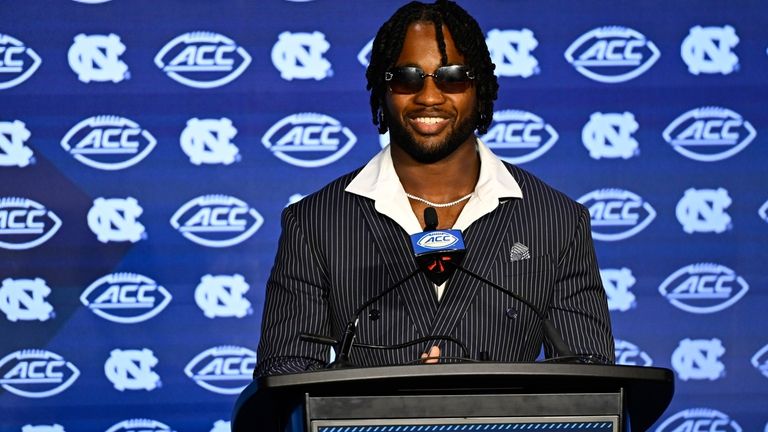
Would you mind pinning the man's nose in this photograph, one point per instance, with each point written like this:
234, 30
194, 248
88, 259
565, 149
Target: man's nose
430, 94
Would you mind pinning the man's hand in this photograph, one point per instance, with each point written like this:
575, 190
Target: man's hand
432, 356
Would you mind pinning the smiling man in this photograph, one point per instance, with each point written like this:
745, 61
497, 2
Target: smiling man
432, 86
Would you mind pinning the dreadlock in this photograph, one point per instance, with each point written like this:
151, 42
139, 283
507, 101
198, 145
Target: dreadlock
469, 41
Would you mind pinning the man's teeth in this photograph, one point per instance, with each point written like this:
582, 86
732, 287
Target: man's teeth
429, 120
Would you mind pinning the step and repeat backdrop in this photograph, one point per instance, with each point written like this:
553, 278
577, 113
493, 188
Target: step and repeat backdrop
148, 147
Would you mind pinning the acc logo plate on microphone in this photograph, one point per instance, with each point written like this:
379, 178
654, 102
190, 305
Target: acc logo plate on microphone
36, 373
432, 241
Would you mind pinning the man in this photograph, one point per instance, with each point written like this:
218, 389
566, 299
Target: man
432, 85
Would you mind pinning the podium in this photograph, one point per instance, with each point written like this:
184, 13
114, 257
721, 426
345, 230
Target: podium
458, 397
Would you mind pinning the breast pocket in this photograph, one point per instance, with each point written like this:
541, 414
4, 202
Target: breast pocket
531, 279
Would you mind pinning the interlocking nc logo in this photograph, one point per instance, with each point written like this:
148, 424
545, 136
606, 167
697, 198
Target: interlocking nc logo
43, 428
300, 55
703, 211
25, 224
222, 369
699, 419
108, 142
629, 354
519, 136
202, 59
709, 134
763, 211
609, 135
617, 214
208, 141
222, 296
703, 288
612, 54
697, 359
617, 283
132, 369
36, 373
17, 62
114, 219
140, 425
13, 152
309, 140
97, 58
24, 299
217, 220
709, 50
125, 298
760, 361
511, 52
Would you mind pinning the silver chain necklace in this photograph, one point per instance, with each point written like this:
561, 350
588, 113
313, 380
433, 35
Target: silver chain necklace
438, 205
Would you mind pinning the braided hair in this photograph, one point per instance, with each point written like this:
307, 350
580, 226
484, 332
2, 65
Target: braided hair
469, 40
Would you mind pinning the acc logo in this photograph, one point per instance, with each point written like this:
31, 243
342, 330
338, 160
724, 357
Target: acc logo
97, 58
125, 298
763, 211
108, 142
114, 219
519, 136
609, 135
703, 210
318, 138
703, 288
132, 369
699, 419
92, 1
511, 52
208, 141
709, 134
13, 152
708, 50
629, 354
760, 361
24, 299
437, 240
36, 373
216, 220
612, 54
617, 283
222, 296
42, 428
698, 359
222, 369
300, 55
202, 59
617, 214
17, 62
25, 224
364, 56
140, 425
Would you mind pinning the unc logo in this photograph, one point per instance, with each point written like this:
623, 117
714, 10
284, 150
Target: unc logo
629, 354
617, 214
703, 210
760, 361
36, 373
763, 211
42, 428
699, 419
97, 58
222, 369
709, 50
216, 220
202, 59
309, 140
125, 298
114, 219
300, 55
24, 299
617, 283
698, 359
140, 425
222, 296
221, 426
25, 224
17, 62
437, 240
703, 288
609, 135
208, 141
709, 134
511, 52
612, 54
364, 56
132, 369
519, 136
13, 152
108, 142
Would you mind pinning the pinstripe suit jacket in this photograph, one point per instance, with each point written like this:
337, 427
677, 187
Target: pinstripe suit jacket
336, 252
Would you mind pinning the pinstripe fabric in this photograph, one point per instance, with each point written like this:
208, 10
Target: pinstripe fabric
336, 252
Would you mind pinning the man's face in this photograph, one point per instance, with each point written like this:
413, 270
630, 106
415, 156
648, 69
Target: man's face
430, 124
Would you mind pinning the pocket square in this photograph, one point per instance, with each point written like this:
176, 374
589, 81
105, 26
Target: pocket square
519, 252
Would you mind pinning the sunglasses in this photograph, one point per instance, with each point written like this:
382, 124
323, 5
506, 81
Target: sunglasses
410, 79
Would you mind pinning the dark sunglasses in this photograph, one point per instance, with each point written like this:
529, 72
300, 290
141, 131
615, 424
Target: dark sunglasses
410, 79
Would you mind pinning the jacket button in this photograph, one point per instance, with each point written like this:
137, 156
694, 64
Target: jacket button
511, 313
374, 314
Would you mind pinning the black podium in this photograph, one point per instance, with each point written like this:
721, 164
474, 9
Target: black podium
459, 397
